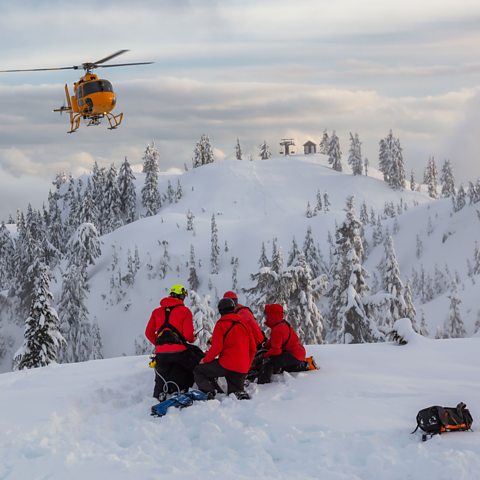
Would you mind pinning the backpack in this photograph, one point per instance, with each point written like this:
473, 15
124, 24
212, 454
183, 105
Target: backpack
167, 333
436, 420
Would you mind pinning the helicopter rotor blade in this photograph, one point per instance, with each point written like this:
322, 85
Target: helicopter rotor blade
124, 64
113, 55
76, 67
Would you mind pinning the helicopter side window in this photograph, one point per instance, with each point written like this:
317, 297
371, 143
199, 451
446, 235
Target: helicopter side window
96, 87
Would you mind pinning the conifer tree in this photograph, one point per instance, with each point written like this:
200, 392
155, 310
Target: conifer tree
150, 195
83, 248
319, 204
74, 322
334, 153
190, 218
447, 180
88, 212
7, 251
431, 178
326, 202
366, 164
265, 153
348, 320
234, 274
127, 192
42, 337
203, 153
460, 199
303, 293
110, 208
215, 248
263, 260
292, 254
392, 284
311, 253
324, 142
454, 326
203, 317
355, 155
238, 150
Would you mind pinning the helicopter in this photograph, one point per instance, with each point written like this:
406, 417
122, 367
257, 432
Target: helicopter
93, 97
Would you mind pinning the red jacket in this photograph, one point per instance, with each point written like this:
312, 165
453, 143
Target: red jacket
180, 318
248, 317
283, 337
235, 350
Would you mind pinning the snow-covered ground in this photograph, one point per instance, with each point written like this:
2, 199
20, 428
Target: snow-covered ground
350, 420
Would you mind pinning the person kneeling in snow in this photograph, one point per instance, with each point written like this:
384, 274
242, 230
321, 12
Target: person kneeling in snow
230, 355
285, 352
249, 318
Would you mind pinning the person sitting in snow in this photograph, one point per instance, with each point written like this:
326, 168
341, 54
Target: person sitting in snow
249, 318
170, 328
284, 349
230, 355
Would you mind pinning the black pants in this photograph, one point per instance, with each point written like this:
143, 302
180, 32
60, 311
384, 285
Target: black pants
285, 362
206, 375
174, 371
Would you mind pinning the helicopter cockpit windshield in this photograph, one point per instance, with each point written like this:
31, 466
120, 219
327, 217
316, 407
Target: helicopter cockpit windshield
96, 87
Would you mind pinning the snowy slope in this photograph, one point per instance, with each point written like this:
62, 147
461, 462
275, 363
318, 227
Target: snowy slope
253, 202
350, 420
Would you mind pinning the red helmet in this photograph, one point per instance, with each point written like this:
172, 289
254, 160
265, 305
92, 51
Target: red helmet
231, 295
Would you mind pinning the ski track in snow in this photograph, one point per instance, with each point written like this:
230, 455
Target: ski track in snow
350, 420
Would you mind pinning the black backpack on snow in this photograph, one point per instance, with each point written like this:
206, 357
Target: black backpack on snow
435, 420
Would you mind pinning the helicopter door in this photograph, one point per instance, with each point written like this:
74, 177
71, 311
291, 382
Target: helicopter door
79, 94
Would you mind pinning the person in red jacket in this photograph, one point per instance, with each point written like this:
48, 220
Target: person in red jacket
249, 318
230, 354
170, 329
284, 350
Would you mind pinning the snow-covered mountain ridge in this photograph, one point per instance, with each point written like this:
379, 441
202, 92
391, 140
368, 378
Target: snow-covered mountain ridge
253, 203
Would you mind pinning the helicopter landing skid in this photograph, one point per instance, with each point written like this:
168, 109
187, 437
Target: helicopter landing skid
114, 120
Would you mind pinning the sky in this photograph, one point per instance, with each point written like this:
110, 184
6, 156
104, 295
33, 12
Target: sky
248, 70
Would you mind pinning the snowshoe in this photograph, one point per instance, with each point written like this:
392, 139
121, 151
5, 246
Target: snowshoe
180, 400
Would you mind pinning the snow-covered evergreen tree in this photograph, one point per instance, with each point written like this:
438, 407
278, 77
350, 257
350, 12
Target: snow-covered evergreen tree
150, 195
265, 153
334, 153
42, 337
324, 142
303, 293
355, 155
348, 320
460, 199
190, 218
83, 247
453, 326
392, 284
203, 152
292, 254
110, 208
203, 317
127, 192
238, 150
215, 248
447, 179
7, 250
312, 255
74, 322
431, 178
263, 259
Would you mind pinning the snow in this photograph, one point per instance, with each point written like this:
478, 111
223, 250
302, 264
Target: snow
349, 420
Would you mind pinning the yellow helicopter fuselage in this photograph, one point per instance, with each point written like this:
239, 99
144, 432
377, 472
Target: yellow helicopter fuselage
93, 96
